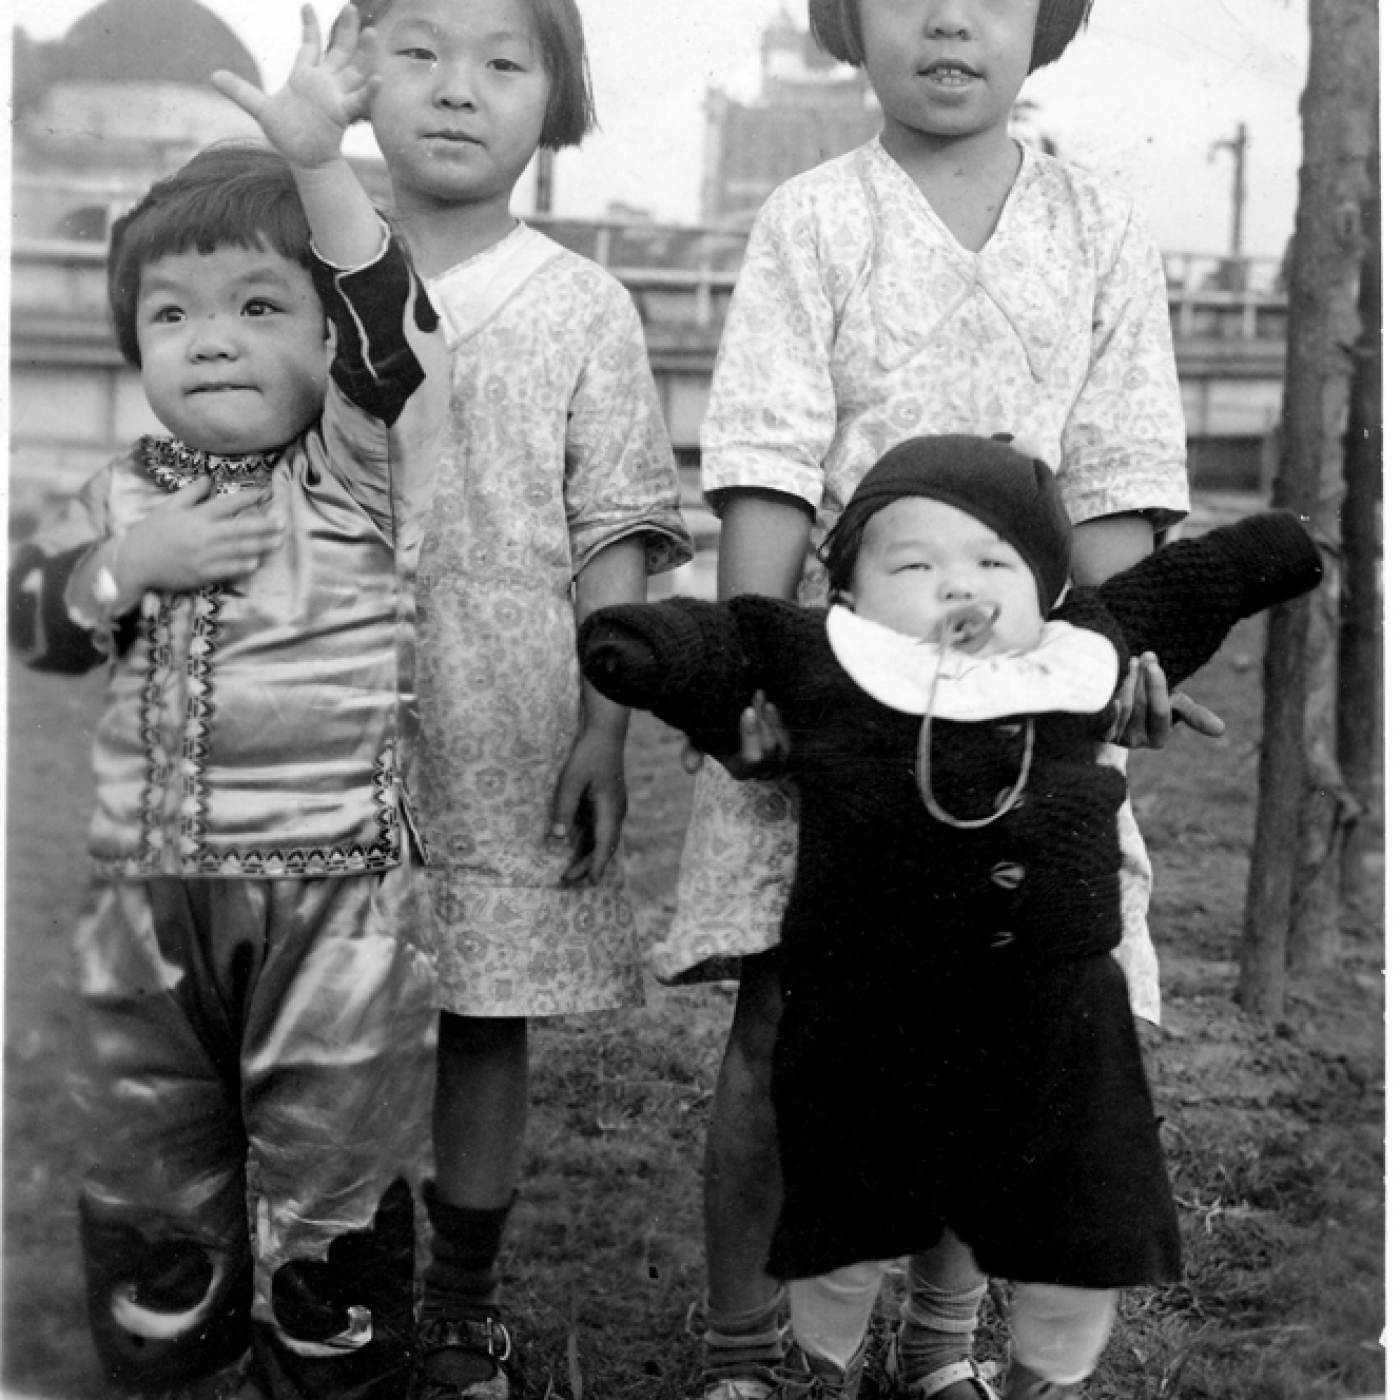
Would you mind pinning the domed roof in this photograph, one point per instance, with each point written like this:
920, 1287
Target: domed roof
150, 41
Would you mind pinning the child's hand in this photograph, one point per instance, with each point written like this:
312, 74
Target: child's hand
764, 744
590, 802
307, 117
193, 539
1144, 710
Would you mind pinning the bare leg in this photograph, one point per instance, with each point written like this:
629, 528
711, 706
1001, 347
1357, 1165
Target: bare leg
744, 1339
479, 1109
479, 1112
743, 1186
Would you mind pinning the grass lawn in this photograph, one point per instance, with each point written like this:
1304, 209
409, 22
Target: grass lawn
1275, 1141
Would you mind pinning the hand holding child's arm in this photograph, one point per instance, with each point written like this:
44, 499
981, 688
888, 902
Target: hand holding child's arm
763, 542
1145, 710
306, 120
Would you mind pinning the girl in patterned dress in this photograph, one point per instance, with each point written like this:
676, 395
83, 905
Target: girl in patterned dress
941, 278
557, 493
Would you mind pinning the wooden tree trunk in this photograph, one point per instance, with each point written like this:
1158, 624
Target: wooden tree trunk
1300, 792
1359, 650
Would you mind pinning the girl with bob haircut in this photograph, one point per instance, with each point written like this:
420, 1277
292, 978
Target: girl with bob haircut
556, 494
942, 278
569, 115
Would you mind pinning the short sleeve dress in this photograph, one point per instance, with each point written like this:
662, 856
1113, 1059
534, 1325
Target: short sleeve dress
555, 448
858, 321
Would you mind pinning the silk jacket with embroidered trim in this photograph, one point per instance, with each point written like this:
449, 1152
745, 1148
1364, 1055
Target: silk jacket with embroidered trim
263, 728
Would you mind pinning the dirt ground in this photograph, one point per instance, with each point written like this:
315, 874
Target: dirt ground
1275, 1139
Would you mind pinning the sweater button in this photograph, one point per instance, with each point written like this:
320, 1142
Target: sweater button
1008, 875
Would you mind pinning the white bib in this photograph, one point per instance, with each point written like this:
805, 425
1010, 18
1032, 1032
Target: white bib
1072, 670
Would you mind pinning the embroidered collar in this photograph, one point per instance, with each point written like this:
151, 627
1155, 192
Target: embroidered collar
1073, 670
173, 465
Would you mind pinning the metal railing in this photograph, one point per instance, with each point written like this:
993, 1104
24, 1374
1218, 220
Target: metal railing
681, 277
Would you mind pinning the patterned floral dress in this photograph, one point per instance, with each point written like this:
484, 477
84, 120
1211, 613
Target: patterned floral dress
858, 321
555, 449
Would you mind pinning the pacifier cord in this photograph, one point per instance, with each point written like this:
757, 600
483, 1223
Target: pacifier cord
983, 618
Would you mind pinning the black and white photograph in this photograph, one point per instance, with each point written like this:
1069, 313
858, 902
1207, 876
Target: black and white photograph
695, 701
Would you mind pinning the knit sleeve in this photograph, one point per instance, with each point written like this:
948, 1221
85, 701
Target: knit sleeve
1182, 601
682, 659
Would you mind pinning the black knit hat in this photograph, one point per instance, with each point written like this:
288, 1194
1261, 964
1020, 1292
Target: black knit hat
1006, 490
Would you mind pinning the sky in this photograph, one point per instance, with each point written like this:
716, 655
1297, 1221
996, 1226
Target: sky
1144, 96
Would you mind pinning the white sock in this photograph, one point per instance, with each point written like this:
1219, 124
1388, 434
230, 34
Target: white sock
830, 1313
1059, 1333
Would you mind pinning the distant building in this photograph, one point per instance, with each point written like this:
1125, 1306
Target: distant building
120, 100
810, 109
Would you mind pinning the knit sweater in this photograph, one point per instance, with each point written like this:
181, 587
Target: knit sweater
956, 1045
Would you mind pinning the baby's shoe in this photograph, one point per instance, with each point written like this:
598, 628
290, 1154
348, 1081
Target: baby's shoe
466, 1357
815, 1378
753, 1387
1022, 1384
964, 1379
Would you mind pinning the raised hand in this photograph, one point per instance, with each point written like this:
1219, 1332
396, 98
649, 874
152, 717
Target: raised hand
307, 117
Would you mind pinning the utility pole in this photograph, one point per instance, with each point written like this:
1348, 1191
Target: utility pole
1236, 149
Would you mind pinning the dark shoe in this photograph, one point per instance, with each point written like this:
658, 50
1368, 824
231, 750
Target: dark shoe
762, 1384
1022, 1384
971, 1376
462, 1358
812, 1378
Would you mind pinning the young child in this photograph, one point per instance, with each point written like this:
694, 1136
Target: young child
950, 998
941, 278
256, 1006
556, 493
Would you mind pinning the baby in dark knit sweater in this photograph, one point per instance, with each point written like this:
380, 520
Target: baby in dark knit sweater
957, 1051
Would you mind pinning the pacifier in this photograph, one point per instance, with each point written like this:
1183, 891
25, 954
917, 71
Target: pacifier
967, 626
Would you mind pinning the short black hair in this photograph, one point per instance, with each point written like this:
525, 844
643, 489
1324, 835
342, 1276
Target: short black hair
570, 115
234, 194
836, 28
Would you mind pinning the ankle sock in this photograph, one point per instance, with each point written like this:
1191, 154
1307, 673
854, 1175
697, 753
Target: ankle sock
745, 1343
937, 1327
461, 1276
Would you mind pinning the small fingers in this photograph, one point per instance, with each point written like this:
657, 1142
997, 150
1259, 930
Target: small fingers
1196, 716
692, 759
239, 91
776, 742
310, 51
1125, 708
345, 36
1156, 701
191, 494
601, 856
229, 505
750, 738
